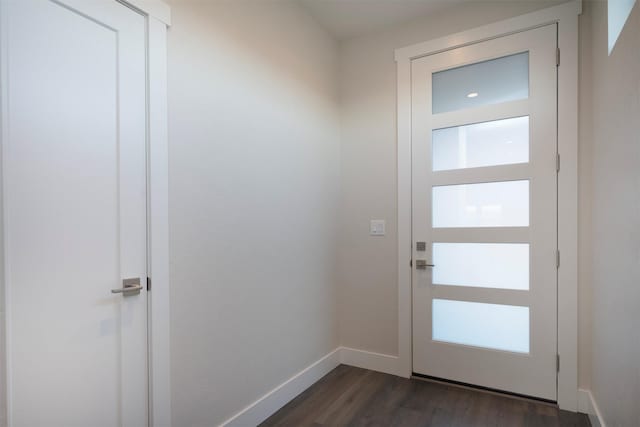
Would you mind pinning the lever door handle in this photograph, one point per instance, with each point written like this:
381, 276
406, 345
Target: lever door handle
128, 286
422, 264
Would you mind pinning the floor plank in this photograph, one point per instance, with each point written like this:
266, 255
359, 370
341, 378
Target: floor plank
349, 396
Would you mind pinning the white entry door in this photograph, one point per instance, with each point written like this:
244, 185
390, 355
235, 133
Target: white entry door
484, 214
74, 155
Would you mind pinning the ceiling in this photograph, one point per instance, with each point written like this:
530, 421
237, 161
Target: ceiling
345, 19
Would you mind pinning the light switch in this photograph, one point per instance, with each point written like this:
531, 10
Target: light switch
377, 227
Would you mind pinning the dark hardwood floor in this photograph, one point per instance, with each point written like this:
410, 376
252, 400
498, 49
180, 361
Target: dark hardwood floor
358, 397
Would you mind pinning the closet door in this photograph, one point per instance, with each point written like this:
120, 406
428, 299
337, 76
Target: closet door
74, 172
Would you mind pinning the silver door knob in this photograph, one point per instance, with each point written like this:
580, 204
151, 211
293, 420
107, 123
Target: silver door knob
128, 286
422, 264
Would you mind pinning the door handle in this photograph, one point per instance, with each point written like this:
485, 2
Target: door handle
128, 286
421, 264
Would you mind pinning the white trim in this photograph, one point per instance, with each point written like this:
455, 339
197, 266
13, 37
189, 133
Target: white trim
568, 208
158, 335
157, 9
405, 220
369, 360
275, 399
498, 29
4, 136
271, 402
566, 16
268, 404
587, 405
158, 190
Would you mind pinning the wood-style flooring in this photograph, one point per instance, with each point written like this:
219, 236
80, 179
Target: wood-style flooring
349, 396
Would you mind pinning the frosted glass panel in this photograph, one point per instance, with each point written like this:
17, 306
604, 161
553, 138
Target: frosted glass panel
489, 82
493, 204
495, 326
500, 142
488, 265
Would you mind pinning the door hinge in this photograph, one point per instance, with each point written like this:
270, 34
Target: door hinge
148, 284
411, 263
558, 163
557, 363
557, 259
557, 57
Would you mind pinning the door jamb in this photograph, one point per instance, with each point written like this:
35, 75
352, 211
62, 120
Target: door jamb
158, 15
566, 17
158, 332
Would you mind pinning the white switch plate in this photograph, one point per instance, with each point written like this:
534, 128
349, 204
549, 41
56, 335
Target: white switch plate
377, 227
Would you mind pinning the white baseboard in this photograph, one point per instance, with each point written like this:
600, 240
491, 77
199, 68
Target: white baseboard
587, 405
268, 404
369, 360
271, 402
389, 365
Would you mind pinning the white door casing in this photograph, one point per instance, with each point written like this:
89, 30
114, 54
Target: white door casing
74, 170
565, 16
534, 372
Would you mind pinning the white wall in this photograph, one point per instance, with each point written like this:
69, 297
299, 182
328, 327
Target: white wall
613, 117
254, 187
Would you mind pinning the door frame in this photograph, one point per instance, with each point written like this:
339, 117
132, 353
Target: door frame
158, 19
565, 16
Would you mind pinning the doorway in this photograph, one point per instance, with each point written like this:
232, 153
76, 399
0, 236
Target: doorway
75, 205
484, 213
